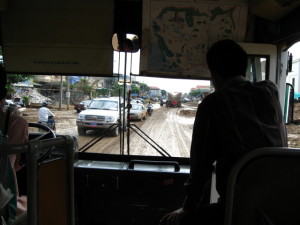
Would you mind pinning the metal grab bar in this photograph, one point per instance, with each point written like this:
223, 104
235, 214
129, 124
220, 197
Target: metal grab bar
31, 149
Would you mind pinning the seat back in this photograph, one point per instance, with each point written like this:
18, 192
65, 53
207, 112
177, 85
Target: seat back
264, 188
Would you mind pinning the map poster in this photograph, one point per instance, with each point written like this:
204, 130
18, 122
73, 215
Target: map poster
177, 34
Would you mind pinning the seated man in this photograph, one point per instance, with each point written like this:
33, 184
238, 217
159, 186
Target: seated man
238, 117
17, 133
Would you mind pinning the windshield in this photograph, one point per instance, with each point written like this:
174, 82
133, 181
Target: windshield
104, 105
136, 107
168, 129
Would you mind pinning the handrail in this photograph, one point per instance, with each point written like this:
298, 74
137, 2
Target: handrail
31, 148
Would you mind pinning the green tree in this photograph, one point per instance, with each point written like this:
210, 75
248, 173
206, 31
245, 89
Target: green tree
16, 78
135, 89
102, 91
116, 89
144, 88
195, 93
84, 86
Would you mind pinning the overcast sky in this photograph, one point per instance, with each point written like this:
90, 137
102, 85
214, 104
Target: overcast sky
295, 50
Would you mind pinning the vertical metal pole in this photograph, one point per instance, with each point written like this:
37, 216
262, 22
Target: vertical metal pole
61, 92
68, 93
119, 122
70, 181
128, 123
124, 97
31, 162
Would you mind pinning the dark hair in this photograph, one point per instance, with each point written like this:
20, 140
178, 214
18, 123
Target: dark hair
3, 80
227, 58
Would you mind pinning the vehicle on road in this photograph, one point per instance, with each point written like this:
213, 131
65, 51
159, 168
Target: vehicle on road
138, 112
82, 105
172, 37
18, 101
174, 99
102, 113
149, 109
136, 101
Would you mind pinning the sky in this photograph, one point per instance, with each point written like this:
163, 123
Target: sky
167, 84
172, 85
179, 85
295, 50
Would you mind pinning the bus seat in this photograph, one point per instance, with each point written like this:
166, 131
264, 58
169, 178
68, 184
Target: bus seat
52, 193
263, 188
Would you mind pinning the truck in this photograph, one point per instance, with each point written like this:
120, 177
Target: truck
174, 99
82, 105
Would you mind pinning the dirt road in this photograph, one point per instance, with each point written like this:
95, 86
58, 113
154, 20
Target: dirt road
169, 128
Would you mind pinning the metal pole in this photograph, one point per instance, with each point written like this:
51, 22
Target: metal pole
61, 92
32, 182
124, 108
68, 93
128, 122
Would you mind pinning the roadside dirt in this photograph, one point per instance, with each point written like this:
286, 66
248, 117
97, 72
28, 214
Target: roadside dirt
169, 129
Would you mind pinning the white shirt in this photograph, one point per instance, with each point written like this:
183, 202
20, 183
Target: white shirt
44, 113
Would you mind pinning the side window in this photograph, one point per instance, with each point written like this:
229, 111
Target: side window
257, 69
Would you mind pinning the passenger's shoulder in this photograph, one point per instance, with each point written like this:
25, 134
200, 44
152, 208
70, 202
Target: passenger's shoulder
267, 83
18, 119
209, 100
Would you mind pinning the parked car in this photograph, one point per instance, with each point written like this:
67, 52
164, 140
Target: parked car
8, 103
82, 105
18, 101
136, 101
138, 112
102, 113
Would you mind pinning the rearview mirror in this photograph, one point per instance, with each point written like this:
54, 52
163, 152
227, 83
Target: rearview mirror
125, 42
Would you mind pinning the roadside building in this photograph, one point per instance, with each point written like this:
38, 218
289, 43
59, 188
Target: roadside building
293, 77
154, 92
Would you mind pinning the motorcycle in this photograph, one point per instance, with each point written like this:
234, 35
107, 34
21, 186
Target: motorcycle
149, 110
50, 123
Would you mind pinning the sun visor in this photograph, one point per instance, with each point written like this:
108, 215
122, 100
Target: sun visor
58, 37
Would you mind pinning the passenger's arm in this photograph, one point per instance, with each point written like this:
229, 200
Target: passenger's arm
17, 134
50, 113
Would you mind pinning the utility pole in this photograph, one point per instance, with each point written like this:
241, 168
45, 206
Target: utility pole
61, 92
68, 93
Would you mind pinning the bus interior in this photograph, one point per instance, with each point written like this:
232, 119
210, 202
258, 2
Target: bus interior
81, 38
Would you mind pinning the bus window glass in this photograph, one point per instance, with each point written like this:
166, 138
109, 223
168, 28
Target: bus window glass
167, 131
257, 69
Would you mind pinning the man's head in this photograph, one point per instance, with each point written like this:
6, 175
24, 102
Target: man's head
226, 59
3, 80
45, 104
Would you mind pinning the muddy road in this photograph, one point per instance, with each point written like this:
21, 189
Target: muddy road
168, 129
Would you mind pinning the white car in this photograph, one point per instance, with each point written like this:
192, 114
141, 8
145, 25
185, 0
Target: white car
138, 112
102, 113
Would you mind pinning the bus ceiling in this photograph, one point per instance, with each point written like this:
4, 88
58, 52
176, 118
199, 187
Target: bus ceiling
76, 38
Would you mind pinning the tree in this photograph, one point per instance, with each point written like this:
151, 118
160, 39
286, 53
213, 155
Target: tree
195, 93
84, 86
116, 89
135, 89
16, 78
